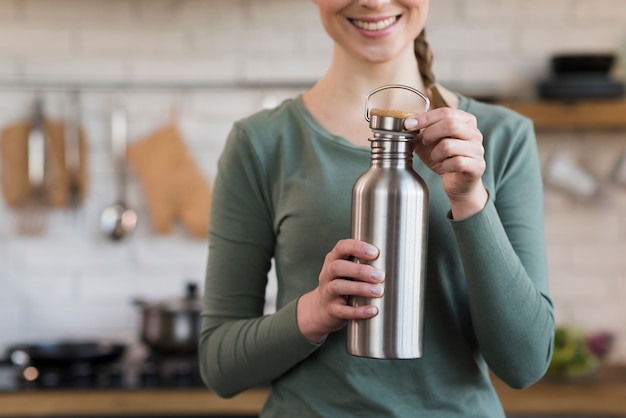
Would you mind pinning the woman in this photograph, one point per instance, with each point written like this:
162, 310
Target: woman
283, 192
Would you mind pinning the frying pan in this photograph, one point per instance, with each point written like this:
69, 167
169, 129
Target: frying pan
583, 63
64, 353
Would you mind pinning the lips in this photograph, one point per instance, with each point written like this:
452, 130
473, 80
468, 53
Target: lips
375, 26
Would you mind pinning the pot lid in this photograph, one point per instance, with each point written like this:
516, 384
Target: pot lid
182, 305
190, 302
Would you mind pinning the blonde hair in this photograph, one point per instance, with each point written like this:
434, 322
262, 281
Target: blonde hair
425, 61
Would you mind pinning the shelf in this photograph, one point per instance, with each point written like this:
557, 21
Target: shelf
584, 114
155, 402
603, 395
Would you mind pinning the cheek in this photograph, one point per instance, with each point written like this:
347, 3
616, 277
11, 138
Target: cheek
417, 20
419, 11
331, 18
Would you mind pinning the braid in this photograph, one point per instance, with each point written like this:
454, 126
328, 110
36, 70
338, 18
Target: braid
424, 62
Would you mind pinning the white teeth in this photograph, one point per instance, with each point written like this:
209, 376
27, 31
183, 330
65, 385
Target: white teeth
374, 26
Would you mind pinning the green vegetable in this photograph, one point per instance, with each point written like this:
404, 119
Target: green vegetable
572, 357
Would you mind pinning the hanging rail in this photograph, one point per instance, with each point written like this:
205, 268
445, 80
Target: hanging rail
86, 85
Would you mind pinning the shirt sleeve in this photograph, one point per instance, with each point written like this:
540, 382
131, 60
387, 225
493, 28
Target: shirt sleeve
239, 348
504, 258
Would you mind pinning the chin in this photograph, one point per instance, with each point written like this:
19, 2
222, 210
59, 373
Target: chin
380, 55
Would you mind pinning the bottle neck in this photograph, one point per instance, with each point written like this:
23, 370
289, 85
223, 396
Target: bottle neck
392, 149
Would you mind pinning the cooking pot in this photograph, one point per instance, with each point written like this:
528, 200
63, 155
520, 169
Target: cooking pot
172, 326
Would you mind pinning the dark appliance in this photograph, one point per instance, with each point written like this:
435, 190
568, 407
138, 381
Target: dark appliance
97, 365
581, 76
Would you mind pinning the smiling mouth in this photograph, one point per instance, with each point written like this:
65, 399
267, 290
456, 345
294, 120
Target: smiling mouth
375, 26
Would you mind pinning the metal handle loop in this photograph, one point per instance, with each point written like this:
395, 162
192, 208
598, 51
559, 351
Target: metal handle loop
393, 86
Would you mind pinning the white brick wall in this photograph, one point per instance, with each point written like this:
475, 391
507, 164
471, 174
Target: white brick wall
73, 282
587, 239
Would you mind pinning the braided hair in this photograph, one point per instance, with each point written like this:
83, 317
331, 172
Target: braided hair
425, 61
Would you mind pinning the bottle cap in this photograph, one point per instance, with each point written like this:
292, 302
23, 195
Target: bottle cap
389, 119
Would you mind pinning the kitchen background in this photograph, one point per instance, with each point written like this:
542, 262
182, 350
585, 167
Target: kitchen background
205, 63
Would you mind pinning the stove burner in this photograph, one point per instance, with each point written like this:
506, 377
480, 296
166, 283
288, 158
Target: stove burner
156, 371
170, 371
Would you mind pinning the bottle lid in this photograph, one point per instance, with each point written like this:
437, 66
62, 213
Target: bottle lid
389, 119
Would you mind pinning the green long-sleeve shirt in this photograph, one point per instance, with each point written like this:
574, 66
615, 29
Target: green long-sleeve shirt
283, 192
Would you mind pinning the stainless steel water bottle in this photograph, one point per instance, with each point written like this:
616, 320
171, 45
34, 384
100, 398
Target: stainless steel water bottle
390, 211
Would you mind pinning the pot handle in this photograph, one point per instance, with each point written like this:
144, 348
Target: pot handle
139, 302
191, 290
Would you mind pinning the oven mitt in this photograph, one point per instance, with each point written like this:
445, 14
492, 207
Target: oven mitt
174, 186
14, 149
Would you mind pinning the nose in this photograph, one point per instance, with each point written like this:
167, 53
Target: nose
373, 4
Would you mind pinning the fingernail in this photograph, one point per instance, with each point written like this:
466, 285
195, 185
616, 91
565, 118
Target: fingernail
377, 275
410, 123
371, 310
376, 290
371, 250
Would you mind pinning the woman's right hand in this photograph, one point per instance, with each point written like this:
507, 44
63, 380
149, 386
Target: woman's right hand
325, 309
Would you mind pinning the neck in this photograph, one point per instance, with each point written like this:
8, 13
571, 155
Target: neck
337, 100
353, 79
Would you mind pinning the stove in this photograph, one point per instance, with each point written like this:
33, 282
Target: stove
154, 371
168, 371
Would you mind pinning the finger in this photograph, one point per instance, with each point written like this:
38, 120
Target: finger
347, 312
424, 120
472, 167
355, 271
348, 248
345, 287
450, 128
445, 123
450, 148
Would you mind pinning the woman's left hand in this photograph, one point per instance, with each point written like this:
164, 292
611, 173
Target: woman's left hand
451, 145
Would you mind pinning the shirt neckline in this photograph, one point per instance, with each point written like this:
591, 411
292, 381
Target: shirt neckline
464, 104
315, 125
